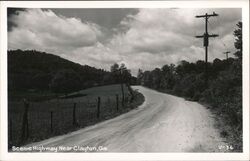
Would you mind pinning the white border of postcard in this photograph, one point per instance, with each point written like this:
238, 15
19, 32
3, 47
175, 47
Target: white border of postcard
5, 155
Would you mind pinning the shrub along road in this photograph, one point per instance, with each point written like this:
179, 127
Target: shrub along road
164, 123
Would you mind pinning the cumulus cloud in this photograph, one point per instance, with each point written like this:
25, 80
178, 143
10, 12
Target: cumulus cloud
155, 37
147, 39
44, 30
98, 55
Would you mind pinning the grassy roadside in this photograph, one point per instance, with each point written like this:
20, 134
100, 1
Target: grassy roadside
39, 115
230, 132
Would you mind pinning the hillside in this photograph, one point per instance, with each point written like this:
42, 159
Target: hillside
35, 70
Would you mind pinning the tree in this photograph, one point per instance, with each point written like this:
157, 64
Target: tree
123, 76
126, 78
65, 81
156, 78
139, 76
238, 40
168, 76
147, 79
114, 69
116, 72
236, 67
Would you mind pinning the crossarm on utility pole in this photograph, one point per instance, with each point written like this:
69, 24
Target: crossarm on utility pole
199, 36
206, 37
227, 52
213, 35
207, 15
202, 36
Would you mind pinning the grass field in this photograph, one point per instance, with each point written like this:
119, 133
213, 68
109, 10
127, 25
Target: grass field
39, 113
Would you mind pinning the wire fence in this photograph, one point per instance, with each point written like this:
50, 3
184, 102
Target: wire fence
34, 121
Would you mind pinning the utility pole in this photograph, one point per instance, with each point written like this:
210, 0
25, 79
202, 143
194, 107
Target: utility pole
206, 37
227, 52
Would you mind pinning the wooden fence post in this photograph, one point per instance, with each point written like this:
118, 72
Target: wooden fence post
25, 124
117, 102
98, 107
51, 121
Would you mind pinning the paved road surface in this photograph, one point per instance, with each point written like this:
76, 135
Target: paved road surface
164, 123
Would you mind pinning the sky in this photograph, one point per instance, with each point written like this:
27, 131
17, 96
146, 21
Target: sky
138, 37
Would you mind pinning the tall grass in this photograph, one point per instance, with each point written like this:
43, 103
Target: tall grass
39, 114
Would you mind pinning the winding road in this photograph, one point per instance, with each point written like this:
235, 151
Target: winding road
163, 123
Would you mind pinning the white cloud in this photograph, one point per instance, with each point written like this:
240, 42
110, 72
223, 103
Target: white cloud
98, 55
148, 39
44, 30
155, 37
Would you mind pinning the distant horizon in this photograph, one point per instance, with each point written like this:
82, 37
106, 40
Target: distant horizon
138, 37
